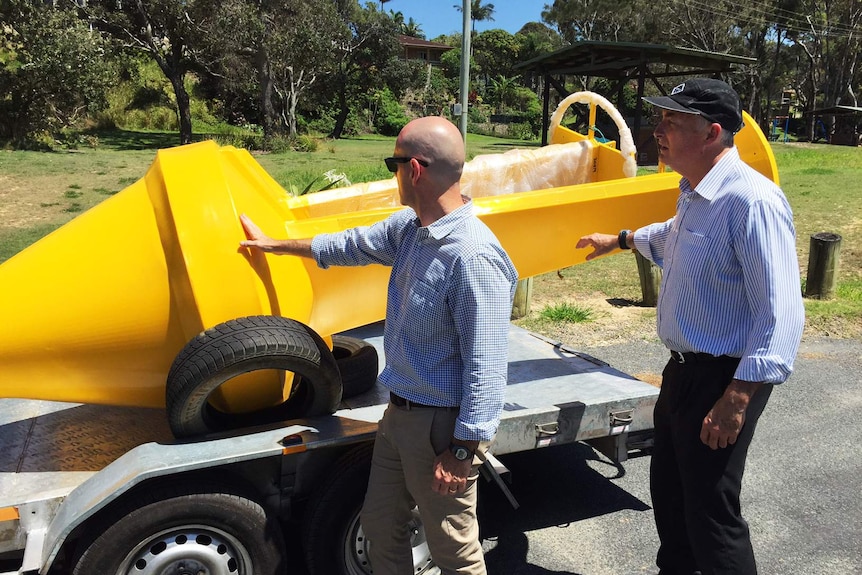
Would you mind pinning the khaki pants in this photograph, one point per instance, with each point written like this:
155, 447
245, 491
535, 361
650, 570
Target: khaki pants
401, 475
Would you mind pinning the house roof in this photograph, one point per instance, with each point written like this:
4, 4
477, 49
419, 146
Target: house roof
619, 59
420, 43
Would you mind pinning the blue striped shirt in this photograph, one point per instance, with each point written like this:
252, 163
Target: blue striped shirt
447, 313
730, 284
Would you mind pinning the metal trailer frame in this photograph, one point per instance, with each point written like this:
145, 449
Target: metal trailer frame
62, 464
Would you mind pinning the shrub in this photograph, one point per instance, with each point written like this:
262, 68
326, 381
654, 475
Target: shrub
566, 312
522, 131
390, 116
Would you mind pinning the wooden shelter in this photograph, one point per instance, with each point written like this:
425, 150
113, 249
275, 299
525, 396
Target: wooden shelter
845, 131
623, 62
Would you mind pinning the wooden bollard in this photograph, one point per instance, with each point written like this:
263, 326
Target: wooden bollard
822, 265
650, 278
523, 295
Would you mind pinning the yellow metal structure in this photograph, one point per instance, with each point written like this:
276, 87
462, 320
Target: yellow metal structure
96, 311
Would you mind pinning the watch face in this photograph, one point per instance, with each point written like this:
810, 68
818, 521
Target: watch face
460, 453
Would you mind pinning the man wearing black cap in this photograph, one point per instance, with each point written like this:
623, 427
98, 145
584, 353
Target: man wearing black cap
730, 311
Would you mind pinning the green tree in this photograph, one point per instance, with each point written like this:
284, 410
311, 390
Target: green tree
536, 39
495, 52
165, 30
363, 58
288, 43
53, 70
605, 20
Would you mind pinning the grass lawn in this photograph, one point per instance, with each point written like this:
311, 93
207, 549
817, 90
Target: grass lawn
40, 191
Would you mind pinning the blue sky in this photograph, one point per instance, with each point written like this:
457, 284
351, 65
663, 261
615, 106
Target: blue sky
437, 17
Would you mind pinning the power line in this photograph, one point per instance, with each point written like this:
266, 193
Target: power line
791, 21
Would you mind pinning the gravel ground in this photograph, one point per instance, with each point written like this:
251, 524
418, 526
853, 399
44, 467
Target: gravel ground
581, 514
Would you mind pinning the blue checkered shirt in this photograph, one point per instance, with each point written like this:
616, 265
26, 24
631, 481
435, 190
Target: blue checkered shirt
730, 284
447, 313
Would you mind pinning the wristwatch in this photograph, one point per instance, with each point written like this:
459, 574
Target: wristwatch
460, 452
622, 239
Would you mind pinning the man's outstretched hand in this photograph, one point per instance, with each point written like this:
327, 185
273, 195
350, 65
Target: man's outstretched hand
601, 243
256, 237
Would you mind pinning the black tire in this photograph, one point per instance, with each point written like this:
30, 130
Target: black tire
240, 346
333, 539
185, 530
357, 362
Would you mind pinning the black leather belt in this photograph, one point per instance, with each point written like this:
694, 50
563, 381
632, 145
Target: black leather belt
695, 357
399, 401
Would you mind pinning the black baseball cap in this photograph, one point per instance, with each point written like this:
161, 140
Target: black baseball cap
712, 99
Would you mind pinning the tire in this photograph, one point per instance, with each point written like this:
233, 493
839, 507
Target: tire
186, 530
333, 539
357, 362
240, 346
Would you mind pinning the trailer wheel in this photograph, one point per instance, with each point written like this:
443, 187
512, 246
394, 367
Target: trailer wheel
332, 535
358, 363
186, 531
241, 346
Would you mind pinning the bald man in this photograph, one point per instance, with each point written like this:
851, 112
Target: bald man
445, 341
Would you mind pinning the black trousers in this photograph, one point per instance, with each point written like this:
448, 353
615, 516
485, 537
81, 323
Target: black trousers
695, 490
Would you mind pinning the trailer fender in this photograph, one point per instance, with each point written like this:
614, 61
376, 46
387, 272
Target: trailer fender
155, 461
186, 528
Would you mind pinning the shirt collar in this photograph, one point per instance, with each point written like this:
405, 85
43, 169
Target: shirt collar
445, 225
710, 185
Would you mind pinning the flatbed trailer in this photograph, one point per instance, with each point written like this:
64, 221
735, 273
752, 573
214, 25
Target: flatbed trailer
84, 486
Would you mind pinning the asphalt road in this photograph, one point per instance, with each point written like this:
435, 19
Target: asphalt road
581, 514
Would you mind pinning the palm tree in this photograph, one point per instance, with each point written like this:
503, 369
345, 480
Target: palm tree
412, 28
478, 12
502, 91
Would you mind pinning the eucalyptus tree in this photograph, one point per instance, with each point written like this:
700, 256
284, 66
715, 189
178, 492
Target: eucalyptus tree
830, 38
603, 20
163, 29
832, 41
287, 43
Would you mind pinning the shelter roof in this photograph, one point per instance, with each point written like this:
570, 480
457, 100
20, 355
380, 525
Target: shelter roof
837, 111
620, 59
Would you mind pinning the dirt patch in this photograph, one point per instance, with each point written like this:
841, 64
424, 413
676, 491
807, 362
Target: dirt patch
23, 204
613, 321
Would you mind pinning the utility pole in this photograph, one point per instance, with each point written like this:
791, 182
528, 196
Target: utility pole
465, 68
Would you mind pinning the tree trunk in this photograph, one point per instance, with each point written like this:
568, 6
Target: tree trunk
184, 110
267, 110
174, 69
343, 111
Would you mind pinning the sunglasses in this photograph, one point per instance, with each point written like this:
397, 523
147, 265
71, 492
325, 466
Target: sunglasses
392, 163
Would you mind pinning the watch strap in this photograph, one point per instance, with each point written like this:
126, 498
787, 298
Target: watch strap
622, 239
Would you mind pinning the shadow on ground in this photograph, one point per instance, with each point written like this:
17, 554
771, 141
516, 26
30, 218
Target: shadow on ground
554, 487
